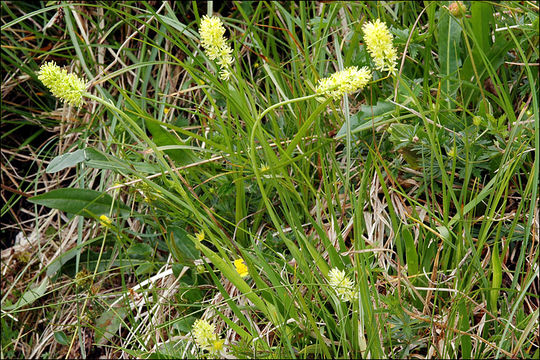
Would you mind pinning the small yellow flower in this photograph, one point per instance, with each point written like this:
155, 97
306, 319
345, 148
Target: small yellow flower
215, 44
66, 87
241, 267
200, 235
217, 346
343, 82
341, 284
105, 220
379, 45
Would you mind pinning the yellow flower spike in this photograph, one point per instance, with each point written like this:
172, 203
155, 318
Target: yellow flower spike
379, 45
241, 267
344, 82
215, 44
203, 332
341, 284
66, 87
105, 220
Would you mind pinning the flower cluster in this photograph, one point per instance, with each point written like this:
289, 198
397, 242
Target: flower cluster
341, 284
343, 82
215, 44
241, 267
105, 220
64, 86
379, 44
203, 332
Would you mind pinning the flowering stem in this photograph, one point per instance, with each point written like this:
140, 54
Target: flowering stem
262, 115
124, 116
138, 130
290, 101
381, 79
252, 152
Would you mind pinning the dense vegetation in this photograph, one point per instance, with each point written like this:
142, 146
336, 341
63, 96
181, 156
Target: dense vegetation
183, 203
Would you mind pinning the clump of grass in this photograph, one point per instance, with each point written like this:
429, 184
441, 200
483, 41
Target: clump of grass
225, 189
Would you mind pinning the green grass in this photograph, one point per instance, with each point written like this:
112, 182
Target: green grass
423, 187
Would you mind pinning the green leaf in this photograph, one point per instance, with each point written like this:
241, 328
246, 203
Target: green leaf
185, 324
496, 282
140, 251
83, 202
163, 137
65, 160
182, 247
368, 116
30, 296
108, 324
61, 338
410, 252
232, 275
449, 44
481, 19
56, 265
466, 343
97, 160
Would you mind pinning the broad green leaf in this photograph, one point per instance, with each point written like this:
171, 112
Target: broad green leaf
367, 117
97, 160
449, 46
184, 325
61, 338
481, 19
496, 57
182, 247
30, 296
140, 251
466, 343
410, 252
108, 324
162, 137
65, 160
404, 137
56, 265
85, 202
